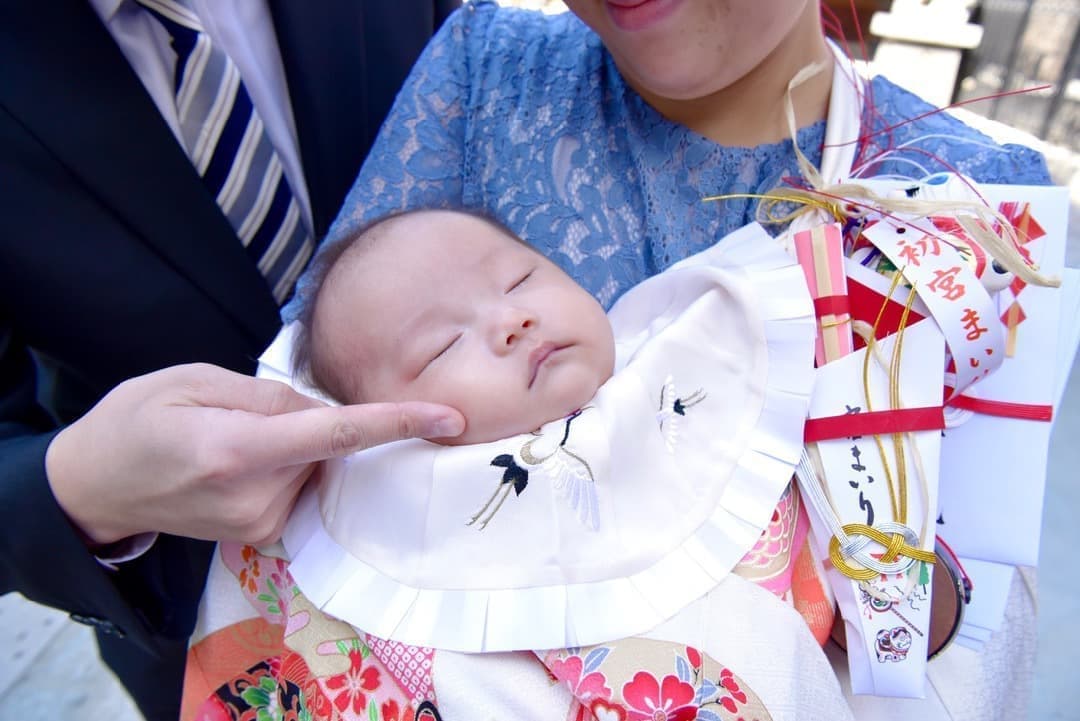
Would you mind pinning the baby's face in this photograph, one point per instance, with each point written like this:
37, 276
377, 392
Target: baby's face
449, 309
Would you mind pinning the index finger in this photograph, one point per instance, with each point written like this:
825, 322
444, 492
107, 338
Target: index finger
207, 385
316, 434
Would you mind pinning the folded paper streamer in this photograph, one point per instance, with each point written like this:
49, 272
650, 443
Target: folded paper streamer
598, 526
947, 284
820, 253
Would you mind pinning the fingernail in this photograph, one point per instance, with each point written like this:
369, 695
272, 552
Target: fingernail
449, 427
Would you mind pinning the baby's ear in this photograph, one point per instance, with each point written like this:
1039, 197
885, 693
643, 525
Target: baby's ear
301, 352
311, 373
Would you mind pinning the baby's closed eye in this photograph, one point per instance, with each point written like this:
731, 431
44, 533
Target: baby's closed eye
517, 283
441, 352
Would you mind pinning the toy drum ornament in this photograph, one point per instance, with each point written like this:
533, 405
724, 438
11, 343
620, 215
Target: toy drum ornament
951, 592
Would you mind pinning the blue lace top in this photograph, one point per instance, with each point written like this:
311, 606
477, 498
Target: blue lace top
526, 116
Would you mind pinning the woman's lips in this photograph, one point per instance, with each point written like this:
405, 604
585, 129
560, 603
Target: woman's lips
631, 15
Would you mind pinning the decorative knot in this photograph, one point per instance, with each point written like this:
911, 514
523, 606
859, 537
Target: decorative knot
847, 550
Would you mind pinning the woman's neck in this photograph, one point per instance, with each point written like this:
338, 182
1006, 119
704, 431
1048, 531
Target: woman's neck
751, 111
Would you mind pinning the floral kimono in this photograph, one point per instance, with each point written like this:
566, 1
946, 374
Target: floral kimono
636, 507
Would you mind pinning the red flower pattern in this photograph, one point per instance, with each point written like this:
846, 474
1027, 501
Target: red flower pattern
353, 683
317, 702
694, 657
735, 693
585, 687
650, 700
391, 711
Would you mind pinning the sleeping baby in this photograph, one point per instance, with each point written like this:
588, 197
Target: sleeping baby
450, 307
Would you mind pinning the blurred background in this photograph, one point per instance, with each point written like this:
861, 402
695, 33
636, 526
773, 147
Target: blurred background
945, 50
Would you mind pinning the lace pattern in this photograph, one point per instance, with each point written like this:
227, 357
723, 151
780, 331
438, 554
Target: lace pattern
525, 115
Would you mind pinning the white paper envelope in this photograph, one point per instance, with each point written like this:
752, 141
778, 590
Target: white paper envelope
993, 468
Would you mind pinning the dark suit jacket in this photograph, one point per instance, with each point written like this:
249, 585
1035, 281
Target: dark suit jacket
115, 261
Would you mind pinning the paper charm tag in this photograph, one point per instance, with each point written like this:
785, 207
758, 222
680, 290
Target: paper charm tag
946, 282
821, 254
887, 618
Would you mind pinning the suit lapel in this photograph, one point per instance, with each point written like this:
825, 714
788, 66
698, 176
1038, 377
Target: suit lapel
93, 114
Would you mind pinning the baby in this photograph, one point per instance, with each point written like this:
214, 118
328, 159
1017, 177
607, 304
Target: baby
615, 466
450, 307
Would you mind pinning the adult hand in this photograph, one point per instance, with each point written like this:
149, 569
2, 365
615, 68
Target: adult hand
203, 452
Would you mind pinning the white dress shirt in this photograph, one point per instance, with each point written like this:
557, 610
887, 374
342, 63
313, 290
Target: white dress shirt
244, 30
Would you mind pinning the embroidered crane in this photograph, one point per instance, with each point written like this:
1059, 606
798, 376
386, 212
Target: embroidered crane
672, 409
569, 473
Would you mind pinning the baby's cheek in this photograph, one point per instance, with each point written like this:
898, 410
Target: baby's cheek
578, 389
469, 395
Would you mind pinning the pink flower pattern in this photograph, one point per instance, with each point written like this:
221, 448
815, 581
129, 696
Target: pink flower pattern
650, 700
353, 685
585, 686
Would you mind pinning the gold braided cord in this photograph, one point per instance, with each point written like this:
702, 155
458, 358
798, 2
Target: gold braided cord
895, 546
871, 347
916, 455
894, 399
764, 213
835, 323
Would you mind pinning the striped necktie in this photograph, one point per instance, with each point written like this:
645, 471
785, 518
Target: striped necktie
227, 143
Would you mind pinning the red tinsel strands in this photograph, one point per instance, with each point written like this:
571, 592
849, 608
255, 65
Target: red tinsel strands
935, 111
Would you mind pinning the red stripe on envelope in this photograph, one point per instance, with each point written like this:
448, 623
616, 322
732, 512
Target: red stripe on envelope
1005, 409
904, 420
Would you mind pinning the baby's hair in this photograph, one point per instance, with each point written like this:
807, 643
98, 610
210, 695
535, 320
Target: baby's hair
309, 364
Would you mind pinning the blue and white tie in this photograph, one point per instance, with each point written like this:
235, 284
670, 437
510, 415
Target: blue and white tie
228, 145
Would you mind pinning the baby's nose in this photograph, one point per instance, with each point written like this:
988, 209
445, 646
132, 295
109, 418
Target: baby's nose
513, 325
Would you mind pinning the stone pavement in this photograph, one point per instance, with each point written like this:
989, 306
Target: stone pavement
49, 669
